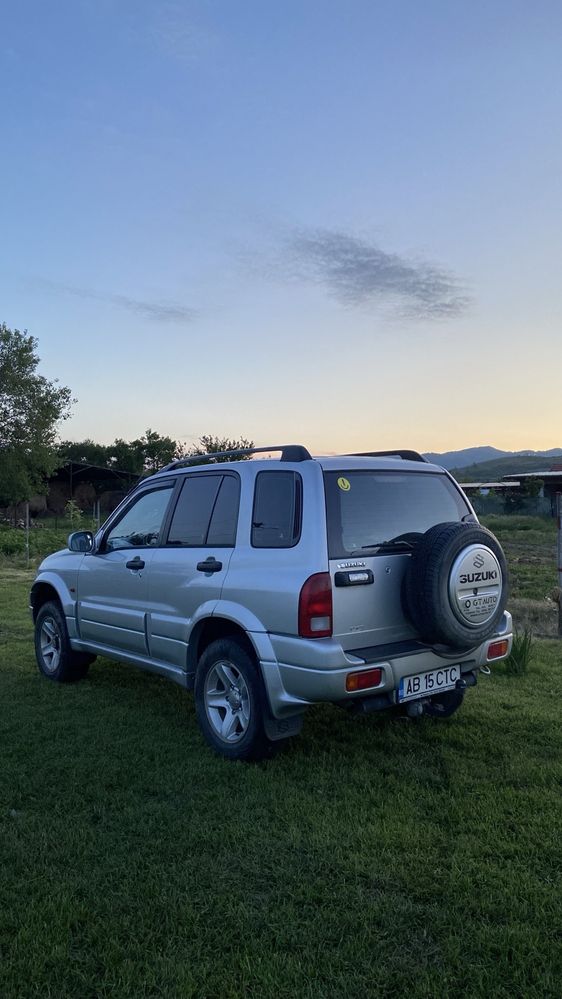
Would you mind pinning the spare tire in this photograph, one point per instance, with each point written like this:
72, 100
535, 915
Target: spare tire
456, 586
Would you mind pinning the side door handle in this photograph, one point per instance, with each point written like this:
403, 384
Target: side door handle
135, 563
209, 565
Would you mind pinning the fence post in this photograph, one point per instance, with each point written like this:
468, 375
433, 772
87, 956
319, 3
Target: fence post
559, 562
27, 534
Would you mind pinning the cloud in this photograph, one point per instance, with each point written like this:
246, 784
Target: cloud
162, 312
358, 273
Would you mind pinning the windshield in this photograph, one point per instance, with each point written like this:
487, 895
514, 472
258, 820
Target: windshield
367, 509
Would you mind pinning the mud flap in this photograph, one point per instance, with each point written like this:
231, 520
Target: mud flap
282, 728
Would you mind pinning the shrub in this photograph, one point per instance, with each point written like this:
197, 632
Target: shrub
73, 513
522, 652
42, 541
12, 541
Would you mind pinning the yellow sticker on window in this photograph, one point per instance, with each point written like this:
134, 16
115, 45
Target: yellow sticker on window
344, 484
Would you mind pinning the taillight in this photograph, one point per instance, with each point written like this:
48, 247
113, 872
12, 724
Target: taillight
363, 680
497, 650
315, 607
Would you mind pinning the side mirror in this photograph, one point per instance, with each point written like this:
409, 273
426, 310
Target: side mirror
80, 541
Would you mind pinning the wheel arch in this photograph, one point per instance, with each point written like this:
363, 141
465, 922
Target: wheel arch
41, 593
211, 629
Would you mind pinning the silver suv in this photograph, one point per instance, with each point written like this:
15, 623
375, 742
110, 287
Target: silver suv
268, 585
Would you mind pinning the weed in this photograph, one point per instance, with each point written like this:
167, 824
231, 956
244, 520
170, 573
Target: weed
522, 652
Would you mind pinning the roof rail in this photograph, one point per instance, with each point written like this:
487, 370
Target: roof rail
289, 452
398, 453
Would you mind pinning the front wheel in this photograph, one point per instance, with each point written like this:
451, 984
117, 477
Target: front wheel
230, 702
55, 657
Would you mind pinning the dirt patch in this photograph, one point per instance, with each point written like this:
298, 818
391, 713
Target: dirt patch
541, 616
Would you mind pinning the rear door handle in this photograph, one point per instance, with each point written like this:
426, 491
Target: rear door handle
209, 565
135, 563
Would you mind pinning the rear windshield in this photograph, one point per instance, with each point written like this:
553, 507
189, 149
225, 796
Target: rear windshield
371, 508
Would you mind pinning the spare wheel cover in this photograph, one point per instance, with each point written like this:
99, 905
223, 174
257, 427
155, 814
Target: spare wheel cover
475, 585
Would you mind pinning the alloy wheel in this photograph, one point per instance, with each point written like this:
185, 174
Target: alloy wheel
50, 643
227, 701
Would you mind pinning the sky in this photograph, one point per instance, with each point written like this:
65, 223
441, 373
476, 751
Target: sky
327, 222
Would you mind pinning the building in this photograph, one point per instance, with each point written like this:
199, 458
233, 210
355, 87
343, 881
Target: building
485, 488
551, 483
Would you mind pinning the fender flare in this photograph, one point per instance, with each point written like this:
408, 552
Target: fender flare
56, 583
254, 628
281, 704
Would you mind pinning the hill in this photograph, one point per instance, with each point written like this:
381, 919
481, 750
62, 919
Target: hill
467, 456
492, 471
476, 455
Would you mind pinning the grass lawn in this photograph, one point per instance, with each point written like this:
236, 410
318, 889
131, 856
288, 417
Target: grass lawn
374, 857
529, 544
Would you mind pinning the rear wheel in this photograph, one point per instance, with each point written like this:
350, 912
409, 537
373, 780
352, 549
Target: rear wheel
55, 657
230, 702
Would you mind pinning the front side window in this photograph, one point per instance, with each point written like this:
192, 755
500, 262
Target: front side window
367, 509
276, 519
141, 524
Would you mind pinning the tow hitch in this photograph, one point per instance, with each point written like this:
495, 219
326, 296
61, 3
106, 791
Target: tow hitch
415, 709
468, 680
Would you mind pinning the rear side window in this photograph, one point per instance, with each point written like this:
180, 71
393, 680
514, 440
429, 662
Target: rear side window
276, 518
369, 508
222, 529
206, 512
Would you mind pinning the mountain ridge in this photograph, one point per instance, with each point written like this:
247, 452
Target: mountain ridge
470, 456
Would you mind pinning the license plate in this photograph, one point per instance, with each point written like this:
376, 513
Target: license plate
425, 684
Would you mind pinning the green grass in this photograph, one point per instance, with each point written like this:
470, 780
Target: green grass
376, 857
529, 544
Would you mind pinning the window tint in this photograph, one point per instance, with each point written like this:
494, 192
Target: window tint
190, 522
367, 508
225, 515
140, 526
277, 510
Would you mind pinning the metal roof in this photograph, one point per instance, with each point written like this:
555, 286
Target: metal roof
488, 485
94, 472
535, 475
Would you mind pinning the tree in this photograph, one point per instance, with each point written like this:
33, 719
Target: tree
87, 451
30, 409
522, 496
126, 456
157, 450
145, 454
211, 445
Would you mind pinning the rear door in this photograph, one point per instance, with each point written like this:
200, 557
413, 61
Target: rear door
374, 519
187, 573
112, 589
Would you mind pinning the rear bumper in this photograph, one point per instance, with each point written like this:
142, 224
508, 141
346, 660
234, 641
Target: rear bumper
292, 687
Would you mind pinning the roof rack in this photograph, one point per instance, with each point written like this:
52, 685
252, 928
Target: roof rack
289, 452
399, 453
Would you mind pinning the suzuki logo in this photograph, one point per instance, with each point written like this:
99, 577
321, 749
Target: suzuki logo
478, 562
